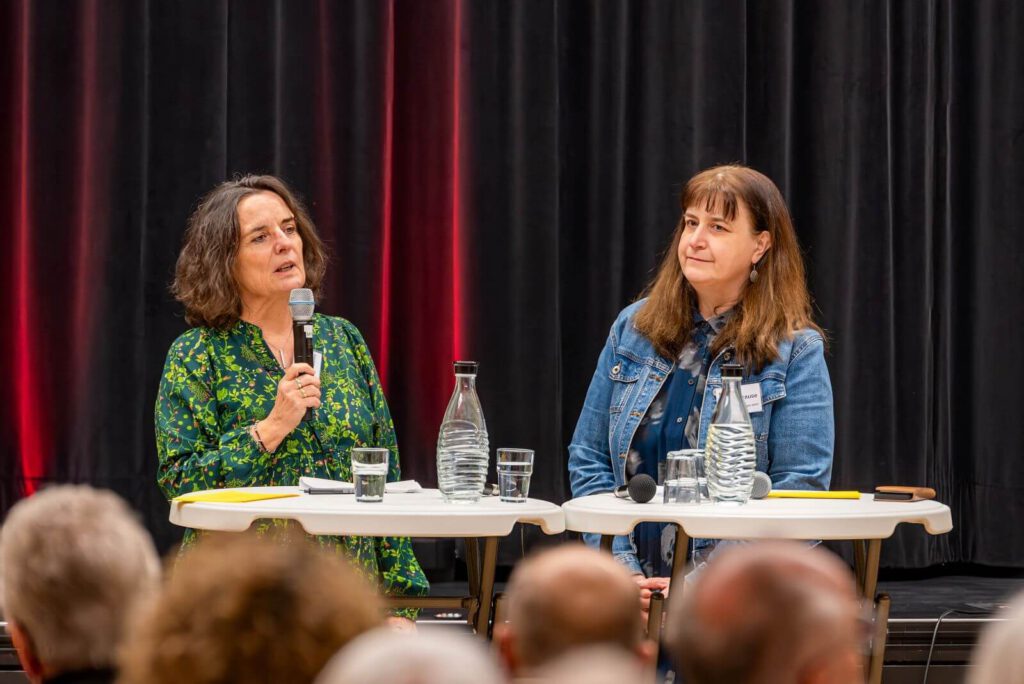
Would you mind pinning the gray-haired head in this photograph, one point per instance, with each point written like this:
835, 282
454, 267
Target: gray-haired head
998, 658
74, 561
388, 657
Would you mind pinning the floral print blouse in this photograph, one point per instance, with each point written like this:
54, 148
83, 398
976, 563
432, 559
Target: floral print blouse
217, 383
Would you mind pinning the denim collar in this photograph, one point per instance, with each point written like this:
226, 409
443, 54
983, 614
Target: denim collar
715, 323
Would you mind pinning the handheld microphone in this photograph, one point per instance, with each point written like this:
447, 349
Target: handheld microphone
640, 488
762, 485
301, 303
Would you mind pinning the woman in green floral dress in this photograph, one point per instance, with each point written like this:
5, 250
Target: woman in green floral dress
230, 405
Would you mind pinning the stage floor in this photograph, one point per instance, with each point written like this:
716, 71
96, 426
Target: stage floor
926, 594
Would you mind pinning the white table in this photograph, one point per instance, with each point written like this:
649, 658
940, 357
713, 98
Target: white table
422, 514
866, 522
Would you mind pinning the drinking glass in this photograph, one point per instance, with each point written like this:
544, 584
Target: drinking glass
683, 470
369, 472
514, 469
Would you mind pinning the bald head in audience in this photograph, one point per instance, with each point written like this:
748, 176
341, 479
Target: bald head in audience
565, 598
775, 612
601, 664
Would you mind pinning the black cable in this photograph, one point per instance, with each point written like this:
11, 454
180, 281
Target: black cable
935, 635
931, 649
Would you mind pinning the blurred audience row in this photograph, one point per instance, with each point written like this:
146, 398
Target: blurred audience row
86, 600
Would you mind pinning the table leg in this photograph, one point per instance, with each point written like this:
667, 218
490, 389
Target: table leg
473, 578
682, 547
876, 658
606, 542
483, 616
874, 555
859, 560
473, 565
654, 622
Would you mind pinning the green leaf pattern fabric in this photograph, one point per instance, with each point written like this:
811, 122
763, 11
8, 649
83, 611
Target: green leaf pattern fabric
217, 383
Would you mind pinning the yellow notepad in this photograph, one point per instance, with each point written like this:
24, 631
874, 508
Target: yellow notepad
231, 496
811, 494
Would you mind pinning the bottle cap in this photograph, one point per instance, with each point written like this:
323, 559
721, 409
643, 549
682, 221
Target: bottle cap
466, 367
732, 370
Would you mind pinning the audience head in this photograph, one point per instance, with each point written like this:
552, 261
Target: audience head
998, 658
774, 612
594, 665
565, 598
388, 657
74, 562
239, 608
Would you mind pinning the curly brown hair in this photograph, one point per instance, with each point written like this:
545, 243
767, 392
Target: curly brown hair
204, 278
241, 608
770, 310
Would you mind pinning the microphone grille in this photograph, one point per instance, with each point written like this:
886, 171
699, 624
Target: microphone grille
301, 302
762, 485
642, 488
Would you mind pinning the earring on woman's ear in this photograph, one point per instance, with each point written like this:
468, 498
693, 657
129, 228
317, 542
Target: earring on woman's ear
753, 273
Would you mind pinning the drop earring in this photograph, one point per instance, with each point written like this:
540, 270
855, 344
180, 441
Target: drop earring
753, 273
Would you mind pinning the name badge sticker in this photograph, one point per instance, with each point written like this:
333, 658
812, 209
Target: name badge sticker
752, 397
318, 360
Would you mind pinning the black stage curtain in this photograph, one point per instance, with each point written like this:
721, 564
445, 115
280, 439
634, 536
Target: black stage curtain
496, 181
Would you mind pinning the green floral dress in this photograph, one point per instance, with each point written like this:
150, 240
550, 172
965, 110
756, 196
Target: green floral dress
217, 383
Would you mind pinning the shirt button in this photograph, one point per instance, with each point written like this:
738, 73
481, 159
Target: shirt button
690, 381
679, 420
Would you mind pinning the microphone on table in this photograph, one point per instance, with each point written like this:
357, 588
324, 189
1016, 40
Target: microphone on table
762, 485
640, 488
302, 305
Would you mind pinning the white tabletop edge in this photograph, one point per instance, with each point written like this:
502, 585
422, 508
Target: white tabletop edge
770, 519
406, 515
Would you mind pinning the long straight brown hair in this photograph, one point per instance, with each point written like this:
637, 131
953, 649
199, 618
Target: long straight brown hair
770, 309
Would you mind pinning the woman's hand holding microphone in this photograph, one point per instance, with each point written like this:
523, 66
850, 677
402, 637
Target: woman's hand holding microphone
298, 390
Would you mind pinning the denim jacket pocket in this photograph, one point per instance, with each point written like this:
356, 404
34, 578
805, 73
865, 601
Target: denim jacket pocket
772, 389
624, 373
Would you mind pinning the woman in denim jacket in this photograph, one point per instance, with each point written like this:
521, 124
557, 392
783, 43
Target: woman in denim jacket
730, 289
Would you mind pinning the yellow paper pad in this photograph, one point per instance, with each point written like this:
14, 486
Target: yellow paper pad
809, 494
229, 496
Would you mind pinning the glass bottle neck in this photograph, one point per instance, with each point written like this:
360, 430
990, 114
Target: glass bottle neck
465, 381
732, 385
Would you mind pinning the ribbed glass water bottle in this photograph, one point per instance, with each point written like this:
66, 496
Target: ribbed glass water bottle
462, 446
730, 455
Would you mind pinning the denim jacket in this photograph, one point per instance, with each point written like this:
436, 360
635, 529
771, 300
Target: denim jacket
794, 432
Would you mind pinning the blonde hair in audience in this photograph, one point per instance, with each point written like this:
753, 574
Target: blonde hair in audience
238, 608
74, 560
